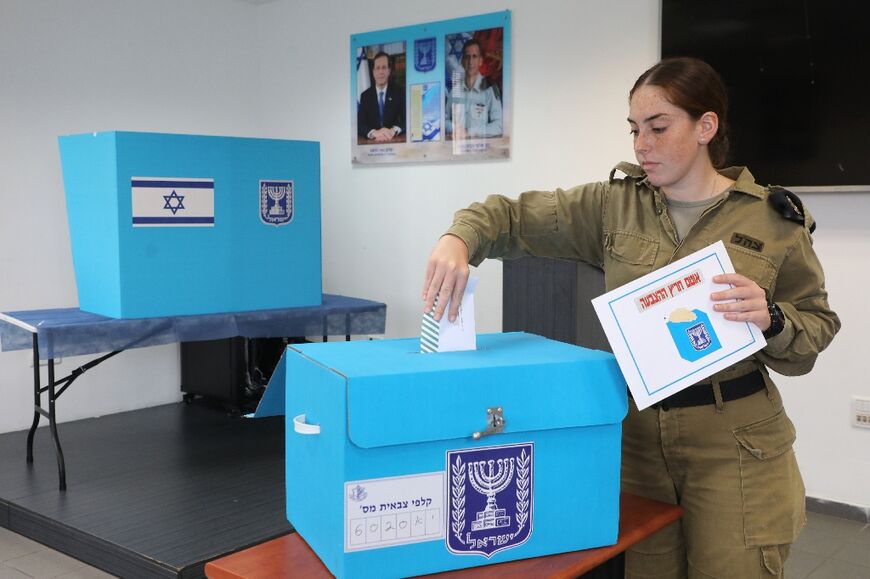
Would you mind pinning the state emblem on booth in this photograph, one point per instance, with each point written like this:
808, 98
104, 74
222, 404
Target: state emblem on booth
276, 202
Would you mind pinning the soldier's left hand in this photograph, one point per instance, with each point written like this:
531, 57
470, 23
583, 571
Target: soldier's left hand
750, 302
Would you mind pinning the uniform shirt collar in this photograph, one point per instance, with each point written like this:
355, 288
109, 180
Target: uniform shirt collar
476, 86
744, 182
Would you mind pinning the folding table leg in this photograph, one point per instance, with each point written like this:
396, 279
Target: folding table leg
52, 421
37, 399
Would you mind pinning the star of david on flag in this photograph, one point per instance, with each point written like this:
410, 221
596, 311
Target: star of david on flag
172, 202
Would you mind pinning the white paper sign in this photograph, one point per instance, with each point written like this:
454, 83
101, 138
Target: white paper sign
664, 332
393, 511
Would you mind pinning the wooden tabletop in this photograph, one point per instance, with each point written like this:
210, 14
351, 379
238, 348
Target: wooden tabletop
290, 556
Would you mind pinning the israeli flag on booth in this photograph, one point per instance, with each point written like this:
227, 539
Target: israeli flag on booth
172, 202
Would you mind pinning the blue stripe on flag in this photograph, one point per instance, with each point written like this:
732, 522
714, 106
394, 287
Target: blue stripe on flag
174, 184
173, 220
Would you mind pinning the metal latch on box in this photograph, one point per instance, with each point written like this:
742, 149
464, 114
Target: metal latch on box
494, 423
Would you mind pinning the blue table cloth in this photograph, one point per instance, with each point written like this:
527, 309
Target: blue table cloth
72, 332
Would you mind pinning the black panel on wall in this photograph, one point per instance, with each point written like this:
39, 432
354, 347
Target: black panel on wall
797, 75
552, 298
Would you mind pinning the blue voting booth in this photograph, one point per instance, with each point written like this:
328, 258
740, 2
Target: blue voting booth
400, 463
164, 225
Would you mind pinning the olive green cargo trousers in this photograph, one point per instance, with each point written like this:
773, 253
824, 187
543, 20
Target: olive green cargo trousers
732, 468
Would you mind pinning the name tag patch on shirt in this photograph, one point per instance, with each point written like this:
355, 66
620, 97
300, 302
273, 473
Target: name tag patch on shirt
744, 240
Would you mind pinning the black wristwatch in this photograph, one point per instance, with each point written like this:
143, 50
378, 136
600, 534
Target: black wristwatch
777, 321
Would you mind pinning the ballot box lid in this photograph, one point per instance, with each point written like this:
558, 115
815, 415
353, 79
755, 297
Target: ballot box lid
397, 395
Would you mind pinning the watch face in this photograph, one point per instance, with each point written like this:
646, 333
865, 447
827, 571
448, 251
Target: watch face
777, 314
777, 320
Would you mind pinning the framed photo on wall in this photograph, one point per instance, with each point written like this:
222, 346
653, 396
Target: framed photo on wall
432, 92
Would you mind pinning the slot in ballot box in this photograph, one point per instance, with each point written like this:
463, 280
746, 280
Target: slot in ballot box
400, 463
164, 225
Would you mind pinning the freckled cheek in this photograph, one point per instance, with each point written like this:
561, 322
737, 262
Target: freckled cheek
674, 149
687, 152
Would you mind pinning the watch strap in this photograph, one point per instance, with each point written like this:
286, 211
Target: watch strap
777, 321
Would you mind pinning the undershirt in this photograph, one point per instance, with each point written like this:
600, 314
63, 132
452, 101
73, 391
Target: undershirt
684, 214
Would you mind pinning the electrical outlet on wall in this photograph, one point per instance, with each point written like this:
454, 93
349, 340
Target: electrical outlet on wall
861, 412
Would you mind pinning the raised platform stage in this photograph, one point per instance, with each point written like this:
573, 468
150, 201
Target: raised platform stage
151, 493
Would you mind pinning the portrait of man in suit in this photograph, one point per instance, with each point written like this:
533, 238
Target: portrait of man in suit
381, 112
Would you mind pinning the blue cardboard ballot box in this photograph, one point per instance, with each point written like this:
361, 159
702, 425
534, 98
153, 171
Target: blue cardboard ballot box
400, 463
164, 225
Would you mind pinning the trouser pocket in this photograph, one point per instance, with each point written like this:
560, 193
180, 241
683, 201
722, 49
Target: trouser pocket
771, 485
773, 557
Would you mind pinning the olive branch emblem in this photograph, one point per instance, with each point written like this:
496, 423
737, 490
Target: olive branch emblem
458, 499
523, 502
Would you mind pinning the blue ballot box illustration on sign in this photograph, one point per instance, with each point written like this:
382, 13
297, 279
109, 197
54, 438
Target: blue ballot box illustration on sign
693, 334
400, 463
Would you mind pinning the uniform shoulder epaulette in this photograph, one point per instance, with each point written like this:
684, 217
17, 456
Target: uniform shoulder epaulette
789, 205
486, 83
629, 169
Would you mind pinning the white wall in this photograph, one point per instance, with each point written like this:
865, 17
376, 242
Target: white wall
573, 63
835, 456
280, 70
73, 67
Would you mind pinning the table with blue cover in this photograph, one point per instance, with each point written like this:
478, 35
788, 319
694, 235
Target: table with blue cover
56, 333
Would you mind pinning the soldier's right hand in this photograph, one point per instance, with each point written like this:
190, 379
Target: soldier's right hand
446, 276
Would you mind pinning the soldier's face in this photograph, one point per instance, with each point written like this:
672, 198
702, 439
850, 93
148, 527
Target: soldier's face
381, 71
666, 138
471, 60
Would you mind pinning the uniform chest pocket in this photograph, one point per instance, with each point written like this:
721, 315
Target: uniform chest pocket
756, 266
632, 248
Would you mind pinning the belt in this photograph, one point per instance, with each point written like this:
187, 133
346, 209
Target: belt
702, 394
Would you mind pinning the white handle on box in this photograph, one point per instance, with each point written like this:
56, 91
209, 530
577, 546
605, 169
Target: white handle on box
302, 427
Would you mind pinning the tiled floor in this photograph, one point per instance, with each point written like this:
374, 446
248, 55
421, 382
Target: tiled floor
828, 548
21, 558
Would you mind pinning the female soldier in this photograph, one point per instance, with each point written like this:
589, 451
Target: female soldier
722, 448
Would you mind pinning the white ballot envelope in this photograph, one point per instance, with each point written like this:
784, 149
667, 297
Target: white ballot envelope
664, 332
447, 336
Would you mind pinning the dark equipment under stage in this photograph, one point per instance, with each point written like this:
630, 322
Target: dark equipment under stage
53, 333
151, 493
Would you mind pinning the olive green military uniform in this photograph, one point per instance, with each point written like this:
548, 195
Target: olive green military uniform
729, 464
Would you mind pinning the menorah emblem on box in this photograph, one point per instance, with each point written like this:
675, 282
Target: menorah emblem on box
478, 479
490, 477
